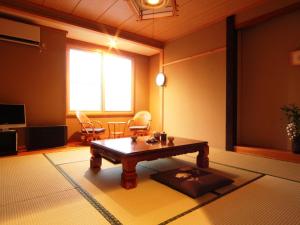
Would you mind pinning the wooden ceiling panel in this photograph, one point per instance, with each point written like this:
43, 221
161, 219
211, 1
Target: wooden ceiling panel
148, 32
216, 13
173, 26
182, 2
93, 9
194, 15
134, 25
117, 14
39, 2
65, 6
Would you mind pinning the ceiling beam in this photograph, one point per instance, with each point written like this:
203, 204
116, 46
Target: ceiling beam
80, 22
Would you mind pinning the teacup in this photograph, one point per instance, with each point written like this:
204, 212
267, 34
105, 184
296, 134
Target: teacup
171, 139
156, 135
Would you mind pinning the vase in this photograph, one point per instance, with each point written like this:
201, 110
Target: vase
296, 145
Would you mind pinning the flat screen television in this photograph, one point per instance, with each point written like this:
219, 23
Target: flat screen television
12, 116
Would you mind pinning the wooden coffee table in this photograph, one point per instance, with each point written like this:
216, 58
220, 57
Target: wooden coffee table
129, 153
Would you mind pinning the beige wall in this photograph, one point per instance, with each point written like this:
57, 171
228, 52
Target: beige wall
141, 93
194, 97
263, 8
141, 83
36, 78
268, 81
155, 94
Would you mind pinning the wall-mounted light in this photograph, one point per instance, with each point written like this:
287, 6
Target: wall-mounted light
160, 79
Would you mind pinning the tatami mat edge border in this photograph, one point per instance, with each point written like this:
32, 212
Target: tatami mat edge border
253, 171
201, 205
100, 208
114, 221
265, 174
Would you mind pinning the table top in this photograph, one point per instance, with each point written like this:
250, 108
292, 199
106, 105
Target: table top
127, 147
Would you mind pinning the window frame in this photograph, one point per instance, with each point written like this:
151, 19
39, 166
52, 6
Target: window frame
82, 46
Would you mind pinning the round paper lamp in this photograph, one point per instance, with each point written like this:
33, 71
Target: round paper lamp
160, 79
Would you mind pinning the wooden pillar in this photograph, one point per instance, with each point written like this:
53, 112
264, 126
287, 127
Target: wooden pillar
231, 83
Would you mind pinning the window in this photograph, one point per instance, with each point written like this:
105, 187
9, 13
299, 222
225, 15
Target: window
99, 82
117, 83
85, 81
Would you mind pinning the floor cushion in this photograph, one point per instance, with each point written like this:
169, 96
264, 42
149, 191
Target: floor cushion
191, 181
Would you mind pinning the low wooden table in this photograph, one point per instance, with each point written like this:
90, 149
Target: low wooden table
129, 153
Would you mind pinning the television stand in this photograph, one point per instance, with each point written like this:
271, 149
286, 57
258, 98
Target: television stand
8, 142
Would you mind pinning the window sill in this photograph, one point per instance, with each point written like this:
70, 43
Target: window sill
102, 114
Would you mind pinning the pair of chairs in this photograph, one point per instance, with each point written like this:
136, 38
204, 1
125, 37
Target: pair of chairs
92, 129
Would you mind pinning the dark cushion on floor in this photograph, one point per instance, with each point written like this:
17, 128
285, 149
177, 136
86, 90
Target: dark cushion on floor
191, 181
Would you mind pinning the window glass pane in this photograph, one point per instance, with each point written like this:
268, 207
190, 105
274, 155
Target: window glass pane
85, 80
117, 73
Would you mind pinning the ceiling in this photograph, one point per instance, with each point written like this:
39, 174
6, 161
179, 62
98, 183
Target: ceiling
192, 15
119, 17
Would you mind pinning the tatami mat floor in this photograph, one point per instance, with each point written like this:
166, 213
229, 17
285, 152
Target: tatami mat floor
268, 200
28, 177
283, 169
65, 207
151, 202
59, 188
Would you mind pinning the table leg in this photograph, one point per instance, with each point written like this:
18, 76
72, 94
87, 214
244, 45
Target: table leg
128, 179
96, 159
202, 158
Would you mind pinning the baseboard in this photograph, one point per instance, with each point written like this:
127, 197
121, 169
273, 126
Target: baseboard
277, 154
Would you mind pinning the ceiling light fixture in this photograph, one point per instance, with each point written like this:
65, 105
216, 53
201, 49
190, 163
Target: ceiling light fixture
149, 9
153, 2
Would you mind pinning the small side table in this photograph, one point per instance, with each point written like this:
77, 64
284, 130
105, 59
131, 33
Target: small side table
116, 129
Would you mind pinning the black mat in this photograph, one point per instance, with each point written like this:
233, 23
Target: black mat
191, 181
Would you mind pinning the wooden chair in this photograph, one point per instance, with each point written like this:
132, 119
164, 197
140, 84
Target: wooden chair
90, 130
140, 123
